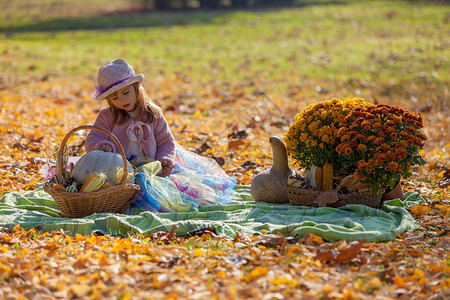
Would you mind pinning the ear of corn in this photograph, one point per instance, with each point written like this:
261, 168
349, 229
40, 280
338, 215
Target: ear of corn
344, 182
106, 185
94, 182
327, 178
290, 180
119, 174
296, 180
358, 185
319, 178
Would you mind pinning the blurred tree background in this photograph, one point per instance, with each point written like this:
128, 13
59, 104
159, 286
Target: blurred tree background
209, 4
234, 4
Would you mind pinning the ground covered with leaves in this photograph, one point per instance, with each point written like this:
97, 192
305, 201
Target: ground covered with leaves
228, 113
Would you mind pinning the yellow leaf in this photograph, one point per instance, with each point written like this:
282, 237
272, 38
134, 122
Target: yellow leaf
445, 283
83, 278
232, 292
443, 208
198, 114
282, 280
423, 281
198, 252
398, 281
435, 288
60, 285
92, 240
126, 296
205, 237
51, 113
221, 274
103, 259
210, 252
435, 268
4, 249
374, 283
81, 290
79, 237
348, 294
256, 273
16, 228
327, 288
6, 269
418, 273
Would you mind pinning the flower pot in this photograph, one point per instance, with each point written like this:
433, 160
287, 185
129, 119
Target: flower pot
395, 193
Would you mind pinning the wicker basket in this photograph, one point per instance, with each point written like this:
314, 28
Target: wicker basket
306, 197
77, 205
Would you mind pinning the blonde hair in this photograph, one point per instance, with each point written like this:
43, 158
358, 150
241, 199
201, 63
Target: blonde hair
144, 106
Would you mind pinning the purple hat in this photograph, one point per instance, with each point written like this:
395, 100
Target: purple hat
113, 76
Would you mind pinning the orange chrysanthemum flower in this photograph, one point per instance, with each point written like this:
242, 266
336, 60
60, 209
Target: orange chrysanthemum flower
391, 148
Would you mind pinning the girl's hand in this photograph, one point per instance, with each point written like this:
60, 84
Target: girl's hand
167, 168
106, 148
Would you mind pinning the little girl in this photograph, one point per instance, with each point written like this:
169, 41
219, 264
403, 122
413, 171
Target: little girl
186, 179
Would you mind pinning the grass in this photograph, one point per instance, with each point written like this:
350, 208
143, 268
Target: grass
335, 41
399, 46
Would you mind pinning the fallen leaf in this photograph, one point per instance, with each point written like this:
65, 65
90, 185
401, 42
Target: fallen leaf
81, 290
255, 274
234, 144
326, 198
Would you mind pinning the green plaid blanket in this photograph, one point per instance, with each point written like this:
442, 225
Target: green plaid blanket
36, 209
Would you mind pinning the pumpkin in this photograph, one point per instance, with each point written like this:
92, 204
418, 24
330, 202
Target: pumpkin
100, 162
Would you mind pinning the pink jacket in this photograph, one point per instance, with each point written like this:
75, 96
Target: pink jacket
156, 139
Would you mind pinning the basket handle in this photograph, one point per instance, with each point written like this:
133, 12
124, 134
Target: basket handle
62, 148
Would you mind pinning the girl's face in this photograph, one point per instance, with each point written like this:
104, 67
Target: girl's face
125, 98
